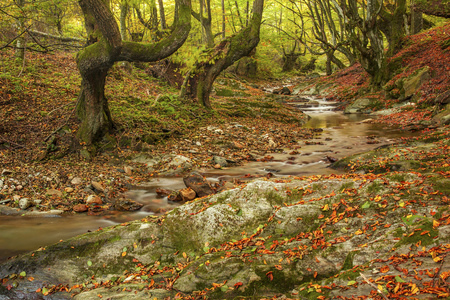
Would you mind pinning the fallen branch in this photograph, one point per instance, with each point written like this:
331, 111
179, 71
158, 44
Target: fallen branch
3, 140
56, 37
374, 286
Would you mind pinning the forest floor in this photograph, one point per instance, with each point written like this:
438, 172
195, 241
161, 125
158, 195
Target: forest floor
41, 159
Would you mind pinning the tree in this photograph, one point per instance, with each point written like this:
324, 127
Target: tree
105, 48
366, 22
199, 80
440, 8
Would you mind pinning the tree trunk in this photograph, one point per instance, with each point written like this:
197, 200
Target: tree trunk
106, 48
199, 81
416, 19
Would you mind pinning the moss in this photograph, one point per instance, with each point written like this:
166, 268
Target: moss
441, 184
274, 198
375, 187
417, 236
346, 185
348, 262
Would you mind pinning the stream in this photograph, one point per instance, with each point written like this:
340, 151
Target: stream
342, 135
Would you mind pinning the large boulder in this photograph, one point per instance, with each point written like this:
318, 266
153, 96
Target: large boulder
413, 82
288, 238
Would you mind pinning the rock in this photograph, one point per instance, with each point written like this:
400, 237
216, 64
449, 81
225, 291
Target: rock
94, 199
361, 105
24, 203
97, 186
175, 197
217, 166
54, 192
127, 205
187, 194
176, 164
443, 98
1, 184
19, 187
128, 170
6, 172
285, 91
412, 83
221, 161
76, 181
163, 192
79, 208
199, 184
69, 190
37, 201
237, 145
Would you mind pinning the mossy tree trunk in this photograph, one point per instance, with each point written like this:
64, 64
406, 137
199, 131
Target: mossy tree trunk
440, 8
106, 47
199, 81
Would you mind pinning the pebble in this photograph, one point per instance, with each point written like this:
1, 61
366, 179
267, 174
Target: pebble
128, 170
94, 199
52, 192
80, 208
24, 203
97, 186
76, 181
37, 201
68, 189
1, 184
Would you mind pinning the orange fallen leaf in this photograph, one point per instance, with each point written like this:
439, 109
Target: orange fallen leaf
269, 275
384, 269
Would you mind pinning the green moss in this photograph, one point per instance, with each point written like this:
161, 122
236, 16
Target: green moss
348, 263
274, 198
425, 239
347, 185
375, 187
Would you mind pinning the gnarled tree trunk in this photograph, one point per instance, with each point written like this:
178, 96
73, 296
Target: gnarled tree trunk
199, 81
106, 47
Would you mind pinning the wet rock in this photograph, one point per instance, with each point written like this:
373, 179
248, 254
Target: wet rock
199, 184
361, 105
24, 203
221, 161
94, 199
76, 181
175, 197
127, 205
187, 194
163, 192
79, 208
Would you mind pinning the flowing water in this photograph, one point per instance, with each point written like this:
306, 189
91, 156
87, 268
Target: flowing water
342, 135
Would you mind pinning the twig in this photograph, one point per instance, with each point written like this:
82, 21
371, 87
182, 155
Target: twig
7, 141
60, 108
374, 286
